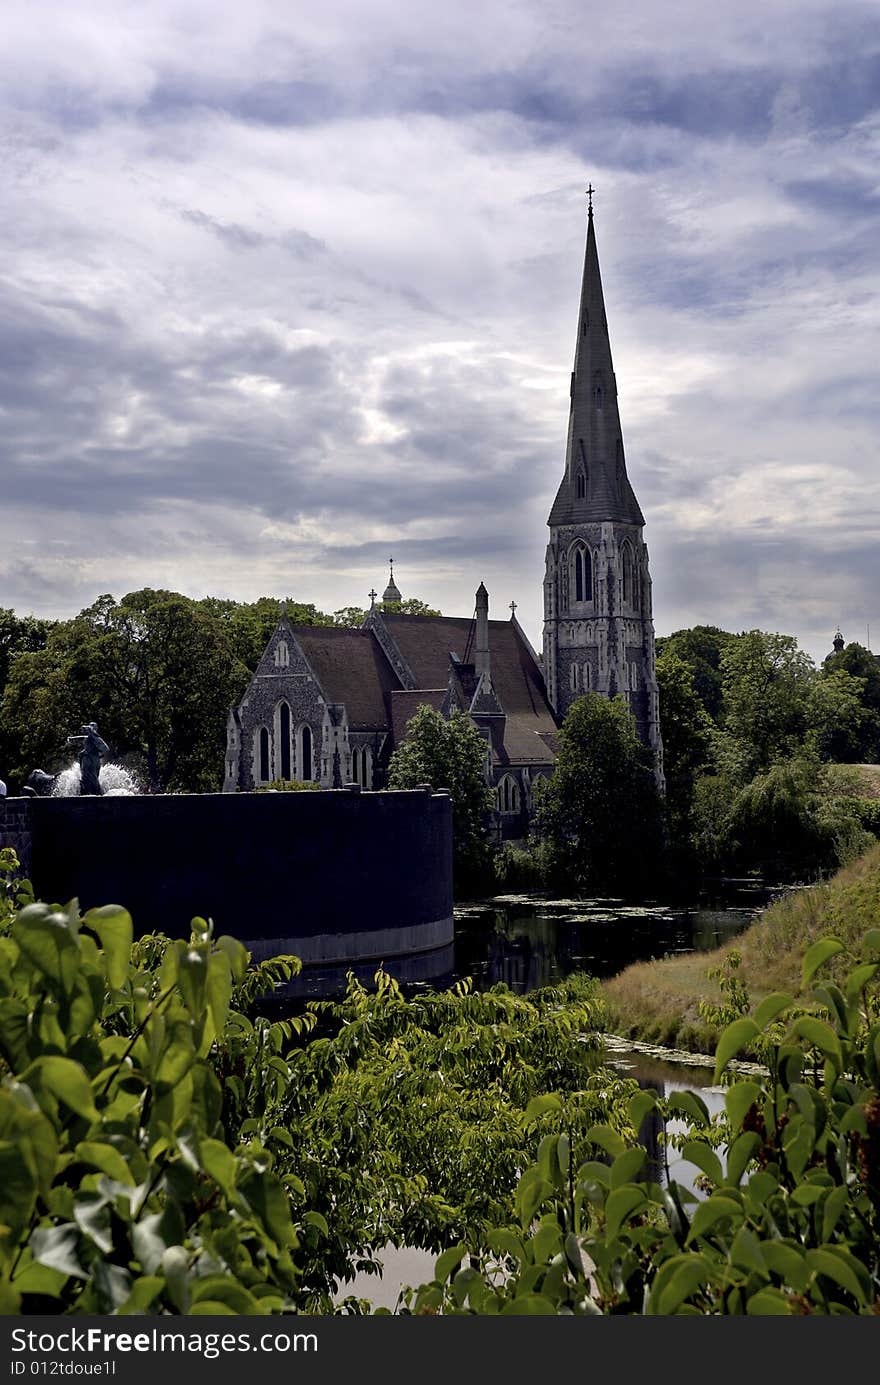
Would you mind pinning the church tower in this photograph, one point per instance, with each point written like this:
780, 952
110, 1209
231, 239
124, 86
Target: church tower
598, 626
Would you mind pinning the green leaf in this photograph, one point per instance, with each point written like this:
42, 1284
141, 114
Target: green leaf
218, 989
535, 1305
268, 1200
91, 1213
58, 1247
114, 928
223, 1289
820, 1035
691, 1105
40, 1279
732, 1040
787, 1262
699, 1153
237, 955
713, 1210
627, 1165
771, 1006
745, 1251
739, 1153
192, 978
739, 1099
144, 1292
606, 1138
45, 939
106, 1158
818, 953
218, 1160
67, 1081
834, 1205
638, 1107
540, 1105
448, 1261
859, 978
676, 1280
622, 1202
837, 1264
767, 1302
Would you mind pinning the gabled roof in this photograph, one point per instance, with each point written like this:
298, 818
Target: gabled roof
426, 643
405, 702
351, 668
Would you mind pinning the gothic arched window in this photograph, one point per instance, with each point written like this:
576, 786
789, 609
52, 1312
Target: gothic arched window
284, 741
574, 676
581, 485
588, 677
264, 755
582, 574
282, 655
306, 768
628, 575
508, 795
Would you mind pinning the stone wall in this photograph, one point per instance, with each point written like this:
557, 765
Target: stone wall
334, 876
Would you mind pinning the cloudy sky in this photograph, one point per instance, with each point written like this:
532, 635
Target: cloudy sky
290, 286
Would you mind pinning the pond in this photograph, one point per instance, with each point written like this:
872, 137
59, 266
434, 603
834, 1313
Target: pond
530, 940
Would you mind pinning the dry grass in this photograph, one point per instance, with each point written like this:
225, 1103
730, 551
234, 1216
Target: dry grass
659, 1001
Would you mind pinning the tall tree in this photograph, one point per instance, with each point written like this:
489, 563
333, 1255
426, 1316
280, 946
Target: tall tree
600, 812
701, 647
449, 754
767, 681
686, 728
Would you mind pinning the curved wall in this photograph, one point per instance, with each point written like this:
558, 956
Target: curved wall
334, 876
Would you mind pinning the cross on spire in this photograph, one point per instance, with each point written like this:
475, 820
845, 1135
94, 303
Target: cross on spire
590, 191
513, 608
372, 595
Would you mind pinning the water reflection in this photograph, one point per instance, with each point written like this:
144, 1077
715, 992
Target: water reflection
528, 941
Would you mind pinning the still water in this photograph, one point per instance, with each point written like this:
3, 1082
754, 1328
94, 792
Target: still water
528, 941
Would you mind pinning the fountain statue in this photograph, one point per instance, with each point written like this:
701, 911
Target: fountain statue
87, 776
92, 751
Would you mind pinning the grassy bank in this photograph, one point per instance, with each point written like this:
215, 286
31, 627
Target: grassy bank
659, 1001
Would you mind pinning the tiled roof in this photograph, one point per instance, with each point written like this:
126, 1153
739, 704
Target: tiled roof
351, 668
426, 643
405, 702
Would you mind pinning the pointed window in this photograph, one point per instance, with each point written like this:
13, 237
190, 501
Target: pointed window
264, 755
628, 578
306, 769
284, 741
574, 676
588, 677
581, 485
582, 574
282, 655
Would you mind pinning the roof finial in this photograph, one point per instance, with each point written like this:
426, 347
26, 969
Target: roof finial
590, 191
372, 595
391, 593
512, 609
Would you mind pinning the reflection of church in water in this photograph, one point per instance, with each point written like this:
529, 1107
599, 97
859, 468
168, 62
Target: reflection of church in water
331, 705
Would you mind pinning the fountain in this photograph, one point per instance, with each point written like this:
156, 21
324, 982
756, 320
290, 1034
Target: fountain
88, 776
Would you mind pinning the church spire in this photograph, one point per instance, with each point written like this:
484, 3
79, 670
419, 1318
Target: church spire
595, 485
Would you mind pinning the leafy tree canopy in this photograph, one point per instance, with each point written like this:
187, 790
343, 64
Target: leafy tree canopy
449, 754
600, 812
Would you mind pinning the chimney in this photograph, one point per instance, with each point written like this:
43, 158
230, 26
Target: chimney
481, 644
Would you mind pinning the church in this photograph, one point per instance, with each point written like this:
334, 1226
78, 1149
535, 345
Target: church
331, 705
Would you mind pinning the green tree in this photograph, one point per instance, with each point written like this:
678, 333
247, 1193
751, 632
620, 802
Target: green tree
249, 624
840, 725
449, 754
858, 662
701, 647
686, 730
153, 670
767, 681
600, 812
354, 616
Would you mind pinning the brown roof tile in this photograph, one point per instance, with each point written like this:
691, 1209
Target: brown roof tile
351, 668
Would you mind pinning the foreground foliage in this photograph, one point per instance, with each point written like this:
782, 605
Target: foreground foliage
790, 1223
